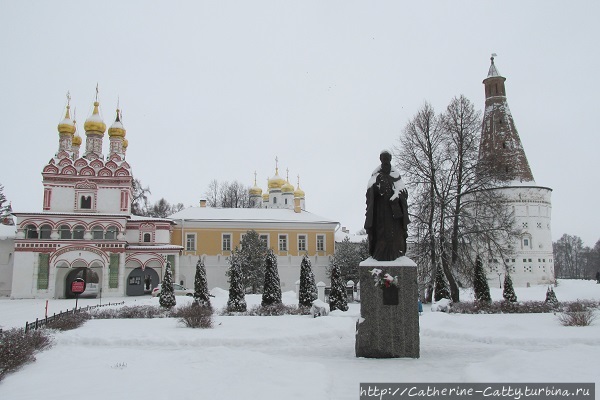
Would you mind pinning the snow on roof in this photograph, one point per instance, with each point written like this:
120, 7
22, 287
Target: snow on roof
135, 218
493, 70
159, 247
249, 215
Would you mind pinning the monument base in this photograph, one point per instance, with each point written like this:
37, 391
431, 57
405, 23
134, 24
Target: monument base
389, 323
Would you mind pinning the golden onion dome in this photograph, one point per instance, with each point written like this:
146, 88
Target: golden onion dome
94, 123
265, 197
125, 144
117, 129
287, 187
299, 193
255, 191
276, 182
76, 141
67, 125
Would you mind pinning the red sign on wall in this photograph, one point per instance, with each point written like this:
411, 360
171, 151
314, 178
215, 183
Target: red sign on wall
78, 286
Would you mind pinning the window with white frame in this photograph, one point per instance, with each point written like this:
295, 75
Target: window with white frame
190, 242
283, 243
320, 242
226, 241
301, 242
264, 238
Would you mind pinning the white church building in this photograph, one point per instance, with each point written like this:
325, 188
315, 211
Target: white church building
532, 262
86, 229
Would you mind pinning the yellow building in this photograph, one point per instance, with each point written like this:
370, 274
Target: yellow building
212, 233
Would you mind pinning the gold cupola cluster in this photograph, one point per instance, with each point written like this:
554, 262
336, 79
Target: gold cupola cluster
94, 127
280, 192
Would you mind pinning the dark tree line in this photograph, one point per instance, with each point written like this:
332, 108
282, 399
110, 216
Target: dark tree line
573, 260
140, 204
228, 195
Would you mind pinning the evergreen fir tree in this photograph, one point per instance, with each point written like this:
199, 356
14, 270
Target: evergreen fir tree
201, 295
480, 284
307, 292
441, 290
551, 298
272, 287
167, 296
509, 292
5, 209
236, 301
337, 295
252, 254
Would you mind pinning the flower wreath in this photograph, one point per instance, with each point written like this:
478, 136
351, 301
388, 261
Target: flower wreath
383, 279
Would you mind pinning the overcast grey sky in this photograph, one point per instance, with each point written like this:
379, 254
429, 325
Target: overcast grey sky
218, 89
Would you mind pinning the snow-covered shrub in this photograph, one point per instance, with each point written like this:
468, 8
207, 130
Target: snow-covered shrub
129, 312
320, 309
551, 299
201, 294
509, 292
577, 313
68, 321
194, 315
237, 299
167, 295
480, 284
443, 305
267, 311
337, 295
307, 293
272, 286
17, 348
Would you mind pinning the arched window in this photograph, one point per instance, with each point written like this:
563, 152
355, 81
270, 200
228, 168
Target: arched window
45, 231
86, 202
65, 232
31, 232
97, 232
111, 232
147, 237
78, 232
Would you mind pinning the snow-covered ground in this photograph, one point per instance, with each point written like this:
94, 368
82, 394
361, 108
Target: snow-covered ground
295, 357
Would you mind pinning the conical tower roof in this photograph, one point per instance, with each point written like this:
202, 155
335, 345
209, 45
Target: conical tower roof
501, 152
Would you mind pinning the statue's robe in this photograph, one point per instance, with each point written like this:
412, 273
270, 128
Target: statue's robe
387, 218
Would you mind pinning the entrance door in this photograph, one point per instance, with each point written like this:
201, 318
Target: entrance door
141, 282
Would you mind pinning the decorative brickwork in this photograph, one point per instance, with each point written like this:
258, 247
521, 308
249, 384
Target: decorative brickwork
501, 150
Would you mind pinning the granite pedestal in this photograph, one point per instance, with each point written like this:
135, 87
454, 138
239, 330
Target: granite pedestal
389, 323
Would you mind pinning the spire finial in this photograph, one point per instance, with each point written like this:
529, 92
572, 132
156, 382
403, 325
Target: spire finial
276, 165
254, 178
96, 91
67, 115
287, 174
494, 55
298, 180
